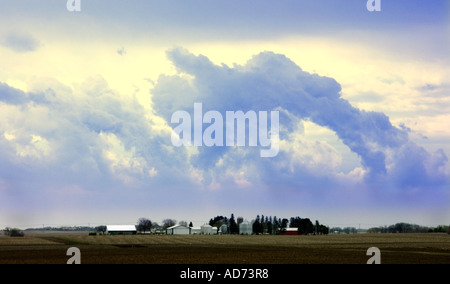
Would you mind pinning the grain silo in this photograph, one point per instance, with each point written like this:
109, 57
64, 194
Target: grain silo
224, 229
206, 229
245, 228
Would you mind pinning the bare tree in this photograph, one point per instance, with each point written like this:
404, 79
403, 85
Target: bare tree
183, 223
167, 223
101, 229
144, 225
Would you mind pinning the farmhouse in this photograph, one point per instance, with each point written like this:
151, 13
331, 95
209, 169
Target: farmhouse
121, 230
178, 230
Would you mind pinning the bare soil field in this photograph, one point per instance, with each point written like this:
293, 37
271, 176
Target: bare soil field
227, 249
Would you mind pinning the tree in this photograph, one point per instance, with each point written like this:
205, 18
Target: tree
218, 221
350, 230
276, 225
270, 226
101, 229
234, 228
13, 232
167, 223
263, 225
305, 226
191, 225
283, 224
323, 230
257, 226
183, 223
144, 225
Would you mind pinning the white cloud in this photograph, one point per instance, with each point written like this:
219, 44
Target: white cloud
19, 42
270, 81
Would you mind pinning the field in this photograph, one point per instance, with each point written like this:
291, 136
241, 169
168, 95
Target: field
51, 248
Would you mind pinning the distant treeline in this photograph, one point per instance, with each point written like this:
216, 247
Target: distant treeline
346, 230
264, 225
409, 228
271, 225
65, 228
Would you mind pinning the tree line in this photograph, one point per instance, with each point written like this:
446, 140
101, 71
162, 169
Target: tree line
260, 225
409, 228
145, 225
270, 225
274, 226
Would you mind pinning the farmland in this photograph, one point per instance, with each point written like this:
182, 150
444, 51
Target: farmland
227, 249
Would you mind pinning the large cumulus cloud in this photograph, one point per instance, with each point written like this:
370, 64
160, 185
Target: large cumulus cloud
270, 81
93, 139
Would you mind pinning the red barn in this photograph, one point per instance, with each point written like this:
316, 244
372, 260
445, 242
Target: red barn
290, 232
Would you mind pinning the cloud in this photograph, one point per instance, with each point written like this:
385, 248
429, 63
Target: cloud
121, 51
20, 42
271, 81
11, 95
91, 136
90, 146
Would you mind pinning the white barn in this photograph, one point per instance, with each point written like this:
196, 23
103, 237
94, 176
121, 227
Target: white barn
196, 230
178, 230
121, 230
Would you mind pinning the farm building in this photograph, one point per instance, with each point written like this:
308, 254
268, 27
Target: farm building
290, 232
178, 230
245, 228
207, 230
121, 230
196, 230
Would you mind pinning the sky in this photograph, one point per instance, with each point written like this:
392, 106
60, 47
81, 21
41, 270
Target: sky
86, 99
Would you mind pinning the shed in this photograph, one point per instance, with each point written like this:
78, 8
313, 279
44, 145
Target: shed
121, 230
178, 230
196, 230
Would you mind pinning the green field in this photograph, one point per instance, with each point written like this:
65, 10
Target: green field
227, 249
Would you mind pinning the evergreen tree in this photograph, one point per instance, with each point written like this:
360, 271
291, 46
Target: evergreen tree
284, 224
270, 226
276, 225
257, 226
234, 228
263, 225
